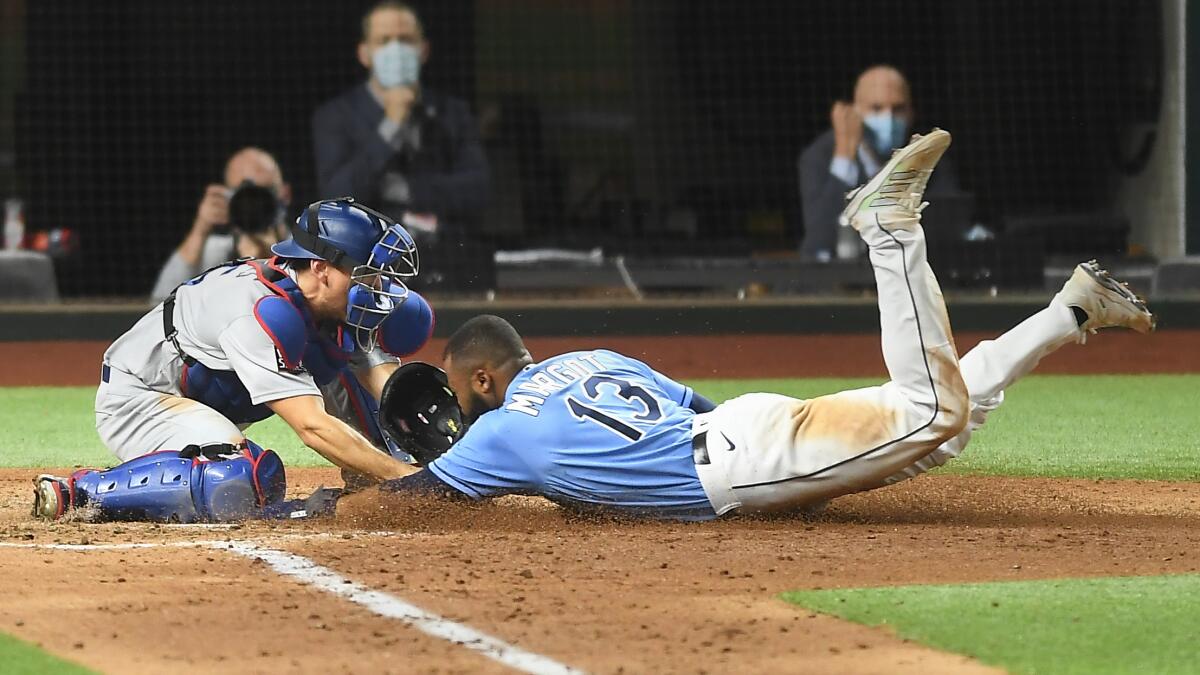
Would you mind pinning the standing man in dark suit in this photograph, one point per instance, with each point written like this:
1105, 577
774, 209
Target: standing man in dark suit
862, 139
413, 151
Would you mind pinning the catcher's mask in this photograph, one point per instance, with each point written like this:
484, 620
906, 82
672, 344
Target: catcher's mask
379, 254
419, 412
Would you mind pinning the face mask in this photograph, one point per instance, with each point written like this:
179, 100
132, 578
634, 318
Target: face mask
885, 132
378, 287
396, 64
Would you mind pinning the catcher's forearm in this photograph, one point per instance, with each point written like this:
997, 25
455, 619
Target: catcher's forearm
375, 377
336, 441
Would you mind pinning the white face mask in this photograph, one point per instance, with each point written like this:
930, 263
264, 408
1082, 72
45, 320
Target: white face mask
396, 64
885, 132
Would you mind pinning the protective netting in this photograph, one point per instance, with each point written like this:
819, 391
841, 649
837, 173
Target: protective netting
649, 129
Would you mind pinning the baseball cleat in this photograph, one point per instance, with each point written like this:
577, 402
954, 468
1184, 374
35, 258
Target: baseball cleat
1106, 301
892, 199
50, 497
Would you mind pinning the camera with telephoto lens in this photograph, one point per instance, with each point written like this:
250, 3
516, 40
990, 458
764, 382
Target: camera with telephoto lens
254, 209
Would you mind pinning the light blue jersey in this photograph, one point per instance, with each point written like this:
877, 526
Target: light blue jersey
591, 429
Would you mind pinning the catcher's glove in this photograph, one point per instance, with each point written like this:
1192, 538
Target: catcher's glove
419, 412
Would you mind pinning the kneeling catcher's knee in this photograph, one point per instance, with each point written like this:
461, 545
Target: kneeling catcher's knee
232, 487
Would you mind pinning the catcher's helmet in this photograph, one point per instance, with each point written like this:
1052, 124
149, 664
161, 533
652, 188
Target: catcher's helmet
419, 412
379, 253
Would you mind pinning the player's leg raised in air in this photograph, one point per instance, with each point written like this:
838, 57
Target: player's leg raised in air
1090, 300
767, 452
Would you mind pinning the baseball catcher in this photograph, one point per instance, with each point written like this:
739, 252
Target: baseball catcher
311, 335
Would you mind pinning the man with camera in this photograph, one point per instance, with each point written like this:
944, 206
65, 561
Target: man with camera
242, 218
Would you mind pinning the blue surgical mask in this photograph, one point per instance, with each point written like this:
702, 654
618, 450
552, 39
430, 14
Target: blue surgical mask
885, 132
396, 64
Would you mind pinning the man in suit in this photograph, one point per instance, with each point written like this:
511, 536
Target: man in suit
863, 135
413, 151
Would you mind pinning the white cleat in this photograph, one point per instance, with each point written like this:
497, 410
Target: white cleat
1106, 301
892, 199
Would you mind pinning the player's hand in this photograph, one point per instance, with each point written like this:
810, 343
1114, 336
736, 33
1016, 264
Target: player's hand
213, 209
397, 102
847, 129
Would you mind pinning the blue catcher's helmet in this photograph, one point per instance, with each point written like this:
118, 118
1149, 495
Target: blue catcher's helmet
376, 250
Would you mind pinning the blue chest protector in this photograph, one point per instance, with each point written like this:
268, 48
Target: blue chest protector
299, 345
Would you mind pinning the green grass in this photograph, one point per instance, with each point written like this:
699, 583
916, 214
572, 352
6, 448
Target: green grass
55, 426
1111, 426
21, 658
1112, 625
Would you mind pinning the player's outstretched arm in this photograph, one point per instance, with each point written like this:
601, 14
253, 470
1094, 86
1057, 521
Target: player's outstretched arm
701, 404
422, 482
335, 440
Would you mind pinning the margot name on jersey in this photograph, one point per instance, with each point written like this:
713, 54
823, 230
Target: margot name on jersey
551, 380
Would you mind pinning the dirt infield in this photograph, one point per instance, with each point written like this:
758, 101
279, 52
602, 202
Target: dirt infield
692, 356
601, 596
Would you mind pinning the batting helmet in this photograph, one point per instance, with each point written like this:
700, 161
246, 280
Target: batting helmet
379, 253
419, 412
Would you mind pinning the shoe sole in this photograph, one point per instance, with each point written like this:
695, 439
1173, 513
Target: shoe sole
45, 491
857, 196
1107, 282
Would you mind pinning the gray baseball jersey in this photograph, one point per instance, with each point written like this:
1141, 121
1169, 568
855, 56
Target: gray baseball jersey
141, 408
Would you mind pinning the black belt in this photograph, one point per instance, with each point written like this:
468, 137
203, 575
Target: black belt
700, 453
700, 448
104, 371
170, 332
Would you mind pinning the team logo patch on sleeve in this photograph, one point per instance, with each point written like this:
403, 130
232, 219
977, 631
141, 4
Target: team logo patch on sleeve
281, 364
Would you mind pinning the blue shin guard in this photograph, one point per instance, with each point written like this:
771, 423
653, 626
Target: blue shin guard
214, 483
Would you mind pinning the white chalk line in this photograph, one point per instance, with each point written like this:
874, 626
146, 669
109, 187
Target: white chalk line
385, 604
307, 572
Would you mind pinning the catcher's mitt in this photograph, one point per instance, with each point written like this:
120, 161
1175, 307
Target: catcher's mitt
419, 412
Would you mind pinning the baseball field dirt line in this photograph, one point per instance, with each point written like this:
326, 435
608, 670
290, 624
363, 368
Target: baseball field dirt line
700, 356
888, 654
660, 597
175, 609
692, 597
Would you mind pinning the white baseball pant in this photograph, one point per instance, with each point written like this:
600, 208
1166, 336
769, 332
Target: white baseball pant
767, 452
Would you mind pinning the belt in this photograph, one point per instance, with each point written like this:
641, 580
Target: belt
712, 464
700, 448
110, 375
700, 453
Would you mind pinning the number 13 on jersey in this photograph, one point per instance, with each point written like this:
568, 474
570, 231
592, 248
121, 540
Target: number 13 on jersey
643, 406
